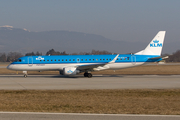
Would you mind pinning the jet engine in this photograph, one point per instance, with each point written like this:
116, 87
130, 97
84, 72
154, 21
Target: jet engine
69, 71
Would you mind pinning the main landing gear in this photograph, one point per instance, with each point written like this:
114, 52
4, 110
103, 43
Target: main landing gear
89, 75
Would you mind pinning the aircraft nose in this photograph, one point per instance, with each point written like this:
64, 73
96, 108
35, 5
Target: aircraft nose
10, 67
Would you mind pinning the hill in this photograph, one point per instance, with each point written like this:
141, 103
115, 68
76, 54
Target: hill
22, 40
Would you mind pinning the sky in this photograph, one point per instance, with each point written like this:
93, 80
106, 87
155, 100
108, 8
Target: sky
121, 20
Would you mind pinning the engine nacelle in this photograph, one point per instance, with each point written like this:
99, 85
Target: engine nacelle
69, 71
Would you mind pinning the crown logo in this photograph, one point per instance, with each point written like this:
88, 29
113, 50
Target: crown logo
39, 58
156, 41
70, 71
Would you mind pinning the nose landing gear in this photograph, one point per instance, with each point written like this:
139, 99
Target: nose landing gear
25, 73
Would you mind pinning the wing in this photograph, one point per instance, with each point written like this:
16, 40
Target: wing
163, 57
92, 66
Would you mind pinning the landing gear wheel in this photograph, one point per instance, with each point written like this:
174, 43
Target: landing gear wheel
89, 75
25, 75
85, 74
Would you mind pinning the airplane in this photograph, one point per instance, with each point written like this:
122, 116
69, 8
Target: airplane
75, 64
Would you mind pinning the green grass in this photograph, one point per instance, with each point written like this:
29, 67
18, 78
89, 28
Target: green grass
164, 102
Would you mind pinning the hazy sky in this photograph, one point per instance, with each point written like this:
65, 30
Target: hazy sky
125, 20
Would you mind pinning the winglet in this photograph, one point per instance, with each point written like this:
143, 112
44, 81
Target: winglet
113, 61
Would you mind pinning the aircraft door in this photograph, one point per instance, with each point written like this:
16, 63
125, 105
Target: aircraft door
133, 59
30, 61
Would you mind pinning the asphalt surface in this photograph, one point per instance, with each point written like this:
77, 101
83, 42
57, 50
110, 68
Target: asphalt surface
74, 116
53, 82
50, 82
3, 66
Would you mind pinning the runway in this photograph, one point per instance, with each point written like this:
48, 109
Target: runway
79, 116
53, 82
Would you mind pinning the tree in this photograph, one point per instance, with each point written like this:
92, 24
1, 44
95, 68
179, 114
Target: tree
97, 52
53, 52
3, 57
63, 53
175, 57
30, 54
12, 56
33, 54
38, 53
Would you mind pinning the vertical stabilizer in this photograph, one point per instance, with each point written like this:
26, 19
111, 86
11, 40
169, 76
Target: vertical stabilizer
155, 46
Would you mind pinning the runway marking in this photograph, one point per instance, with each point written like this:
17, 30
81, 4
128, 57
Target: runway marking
18, 83
84, 114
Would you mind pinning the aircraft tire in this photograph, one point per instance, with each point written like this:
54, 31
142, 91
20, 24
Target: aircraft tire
25, 75
89, 75
85, 74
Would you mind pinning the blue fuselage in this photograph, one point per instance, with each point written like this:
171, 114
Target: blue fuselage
61, 61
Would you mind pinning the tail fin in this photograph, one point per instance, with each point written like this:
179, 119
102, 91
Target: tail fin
155, 46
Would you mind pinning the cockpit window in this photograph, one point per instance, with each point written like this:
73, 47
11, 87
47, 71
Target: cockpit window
19, 60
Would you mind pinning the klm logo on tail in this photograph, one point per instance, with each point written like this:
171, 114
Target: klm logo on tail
156, 44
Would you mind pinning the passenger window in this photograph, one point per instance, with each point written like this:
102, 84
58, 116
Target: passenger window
19, 60
62, 60
58, 60
127, 58
103, 59
100, 59
69, 59
81, 59
96, 59
44, 60
73, 59
54, 60
93, 59
109, 59
85, 59
106, 59
66, 59
47, 60
89, 59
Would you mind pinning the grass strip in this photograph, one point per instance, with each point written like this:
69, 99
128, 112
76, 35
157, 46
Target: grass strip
164, 102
